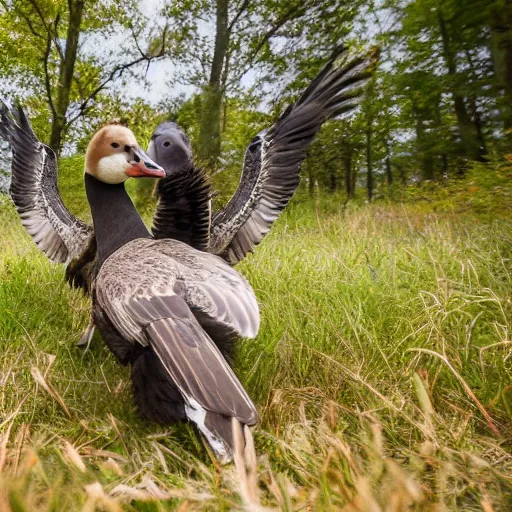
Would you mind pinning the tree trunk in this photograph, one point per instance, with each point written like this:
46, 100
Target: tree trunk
444, 158
389, 172
369, 164
66, 71
444, 166
401, 173
209, 126
501, 52
353, 181
477, 118
332, 179
470, 146
477, 122
427, 163
347, 165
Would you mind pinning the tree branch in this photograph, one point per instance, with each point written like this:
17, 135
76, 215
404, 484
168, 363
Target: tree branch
239, 13
137, 42
56, 39
51, 35
117, 72
41, 15
29, 23
47, 82
292, 13
51, 32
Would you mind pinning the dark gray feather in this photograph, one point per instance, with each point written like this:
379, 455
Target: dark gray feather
191, 358
35, 194
272, 161
184, 208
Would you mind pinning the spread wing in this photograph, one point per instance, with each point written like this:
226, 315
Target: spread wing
184, 208
272, 161
60, 235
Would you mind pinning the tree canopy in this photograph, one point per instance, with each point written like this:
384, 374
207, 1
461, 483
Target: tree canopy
440, 100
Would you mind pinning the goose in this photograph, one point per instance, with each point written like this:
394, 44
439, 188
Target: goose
163, 306
269, 178
63, 237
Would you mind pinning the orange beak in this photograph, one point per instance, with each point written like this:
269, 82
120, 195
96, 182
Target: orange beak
143, 166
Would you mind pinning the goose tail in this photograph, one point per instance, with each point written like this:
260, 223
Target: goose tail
211, 392
244, 457
159, 399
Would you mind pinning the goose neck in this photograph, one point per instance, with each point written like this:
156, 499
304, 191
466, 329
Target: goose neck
115, 218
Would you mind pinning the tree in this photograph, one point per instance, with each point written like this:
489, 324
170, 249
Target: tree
268, 39
55, 58
500, 46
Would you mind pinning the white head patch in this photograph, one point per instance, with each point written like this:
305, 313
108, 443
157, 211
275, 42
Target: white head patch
111, 169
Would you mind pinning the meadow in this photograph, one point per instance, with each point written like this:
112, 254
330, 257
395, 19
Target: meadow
382, 370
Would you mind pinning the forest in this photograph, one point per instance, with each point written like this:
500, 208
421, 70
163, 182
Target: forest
438, 105
382, 368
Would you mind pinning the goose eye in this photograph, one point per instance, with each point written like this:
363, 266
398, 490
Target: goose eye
114, 145
166, 144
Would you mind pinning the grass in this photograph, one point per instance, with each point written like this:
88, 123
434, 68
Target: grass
382, 372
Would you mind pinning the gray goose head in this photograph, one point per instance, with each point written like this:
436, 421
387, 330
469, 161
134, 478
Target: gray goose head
170, 147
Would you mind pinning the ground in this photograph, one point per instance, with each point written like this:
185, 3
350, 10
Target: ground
382, 370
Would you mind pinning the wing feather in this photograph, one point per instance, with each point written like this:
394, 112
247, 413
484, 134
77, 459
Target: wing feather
272, 160
197, 367
60, 235
214, 292
210, 389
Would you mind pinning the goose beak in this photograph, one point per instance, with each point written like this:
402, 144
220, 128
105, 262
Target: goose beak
143, 166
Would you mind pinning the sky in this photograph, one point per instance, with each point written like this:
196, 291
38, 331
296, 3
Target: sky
157, 86
161, 71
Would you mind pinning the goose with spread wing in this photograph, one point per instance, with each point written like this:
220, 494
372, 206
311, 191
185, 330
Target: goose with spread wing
269, 178
271, 166
162, 306
60, 235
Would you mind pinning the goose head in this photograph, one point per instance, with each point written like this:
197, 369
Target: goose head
113, 156
170, 147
